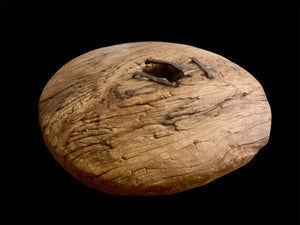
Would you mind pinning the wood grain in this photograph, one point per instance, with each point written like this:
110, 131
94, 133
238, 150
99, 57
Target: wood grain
128, 136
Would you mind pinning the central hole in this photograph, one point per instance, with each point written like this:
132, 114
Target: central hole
163, 70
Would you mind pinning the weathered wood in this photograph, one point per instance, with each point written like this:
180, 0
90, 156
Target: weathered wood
128, 136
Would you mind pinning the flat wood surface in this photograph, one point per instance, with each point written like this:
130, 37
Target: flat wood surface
127, 136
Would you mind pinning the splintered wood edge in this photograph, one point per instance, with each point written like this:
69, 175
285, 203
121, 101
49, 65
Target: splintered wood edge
126, 136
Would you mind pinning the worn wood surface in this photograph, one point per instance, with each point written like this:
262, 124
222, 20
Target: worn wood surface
128, 136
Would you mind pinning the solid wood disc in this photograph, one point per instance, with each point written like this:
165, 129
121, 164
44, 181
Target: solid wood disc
134, 136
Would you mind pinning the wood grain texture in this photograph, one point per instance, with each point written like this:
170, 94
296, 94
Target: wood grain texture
128, 136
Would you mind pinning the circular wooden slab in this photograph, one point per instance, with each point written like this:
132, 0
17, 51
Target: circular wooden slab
128, 136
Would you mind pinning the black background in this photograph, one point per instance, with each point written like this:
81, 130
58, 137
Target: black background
37, 38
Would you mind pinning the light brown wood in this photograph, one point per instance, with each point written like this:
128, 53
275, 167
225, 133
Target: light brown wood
127, 136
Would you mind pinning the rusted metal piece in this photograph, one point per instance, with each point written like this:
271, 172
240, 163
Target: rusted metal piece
206, 72
154, 78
